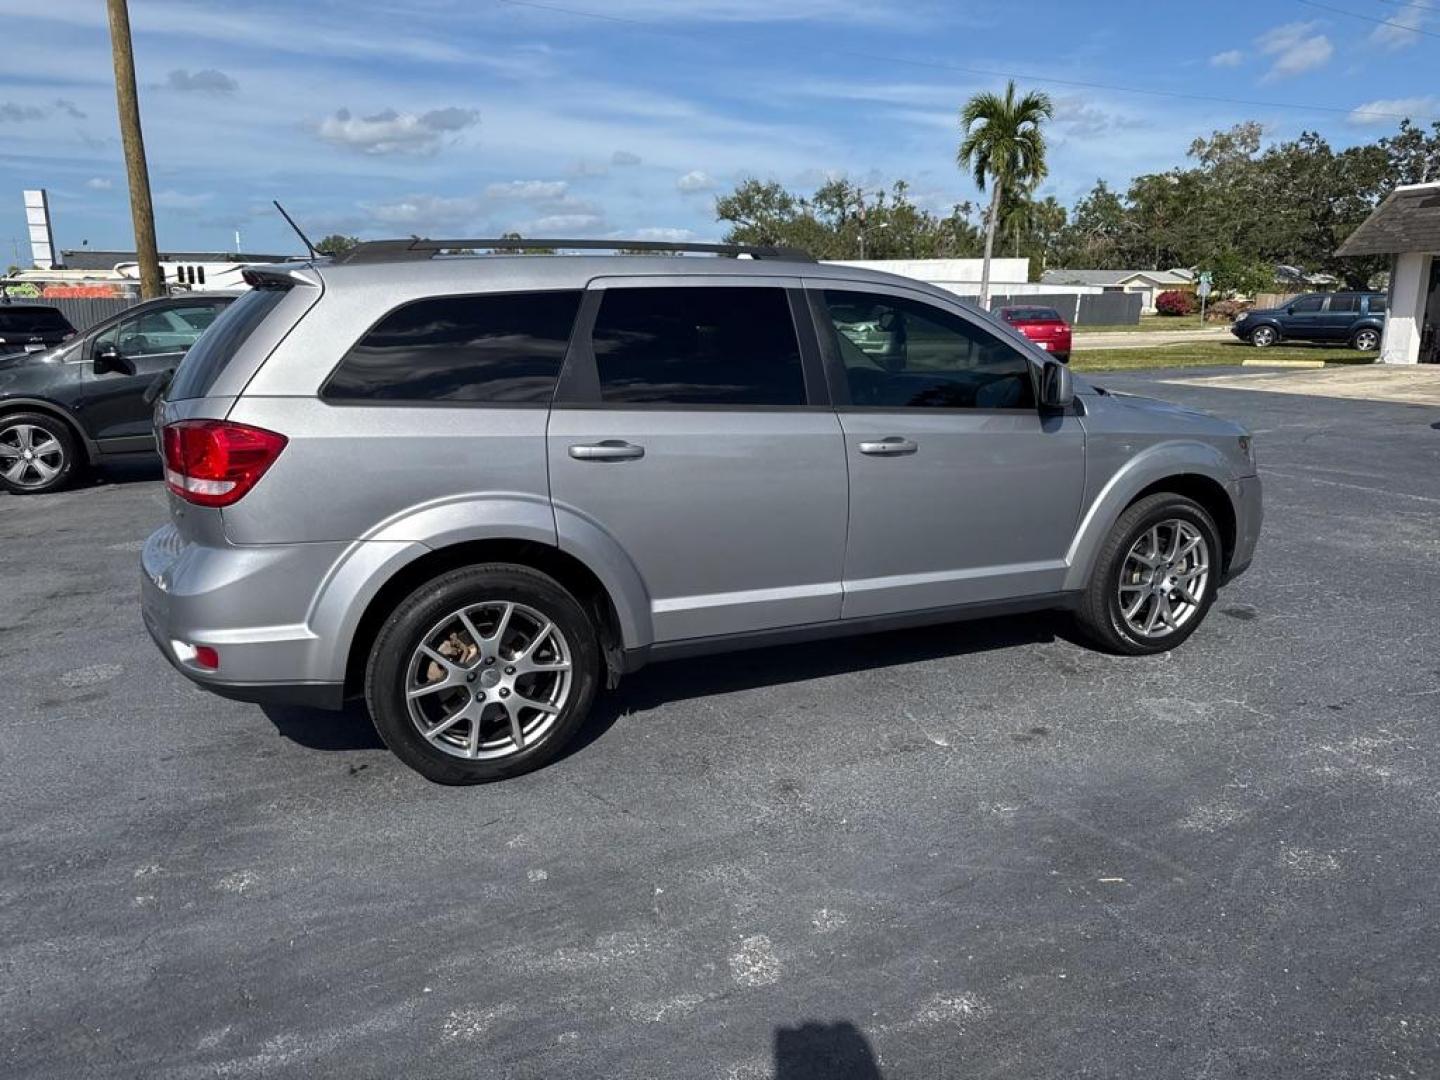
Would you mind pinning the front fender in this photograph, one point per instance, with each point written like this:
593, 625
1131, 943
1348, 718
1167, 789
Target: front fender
1181, 457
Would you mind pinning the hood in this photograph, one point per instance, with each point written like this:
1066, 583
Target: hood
1158, 407
1258, 311
11, 361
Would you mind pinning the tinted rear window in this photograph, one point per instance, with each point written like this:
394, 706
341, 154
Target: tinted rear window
217, 346
698, 346
501, 348
1032, 314
33, 321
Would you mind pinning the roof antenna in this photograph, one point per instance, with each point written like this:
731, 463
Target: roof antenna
291, 222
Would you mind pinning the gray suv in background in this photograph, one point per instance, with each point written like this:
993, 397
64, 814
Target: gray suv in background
476, 489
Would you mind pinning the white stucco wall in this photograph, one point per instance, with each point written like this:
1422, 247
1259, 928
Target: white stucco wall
1409, 285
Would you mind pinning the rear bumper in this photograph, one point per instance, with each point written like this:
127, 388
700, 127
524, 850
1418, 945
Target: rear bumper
1246, 497
250, 605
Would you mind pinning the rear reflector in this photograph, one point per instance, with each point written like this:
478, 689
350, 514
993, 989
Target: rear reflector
215, 462
207, 657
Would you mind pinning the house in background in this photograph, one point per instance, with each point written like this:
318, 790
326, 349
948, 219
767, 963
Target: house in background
1149, 283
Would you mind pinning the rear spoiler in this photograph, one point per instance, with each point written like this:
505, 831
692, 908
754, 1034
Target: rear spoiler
281, 275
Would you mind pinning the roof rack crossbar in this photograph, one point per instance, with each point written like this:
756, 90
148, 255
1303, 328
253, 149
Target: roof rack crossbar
422, 248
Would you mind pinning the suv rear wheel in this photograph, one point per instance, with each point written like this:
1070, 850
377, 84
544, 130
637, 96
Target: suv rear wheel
1264, 336
1366, 339
37, 454
482, 673
1155, 577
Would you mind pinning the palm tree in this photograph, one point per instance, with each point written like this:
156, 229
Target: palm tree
1003, 146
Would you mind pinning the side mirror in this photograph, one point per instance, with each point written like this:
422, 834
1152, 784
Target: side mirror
109, 358
1057, 386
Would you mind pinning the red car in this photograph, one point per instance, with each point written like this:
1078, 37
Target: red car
1043, 326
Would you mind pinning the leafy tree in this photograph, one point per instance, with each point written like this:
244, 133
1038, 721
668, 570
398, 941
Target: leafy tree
336, 244
841, 220
1003, 147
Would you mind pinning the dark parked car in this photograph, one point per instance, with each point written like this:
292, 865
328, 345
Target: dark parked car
83, 400
1356, 318
1043, 326
31, 328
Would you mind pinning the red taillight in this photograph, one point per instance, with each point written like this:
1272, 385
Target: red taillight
215, 462
207, 657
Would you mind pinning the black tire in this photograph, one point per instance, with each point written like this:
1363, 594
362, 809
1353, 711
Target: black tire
1262, 337
1099, 614
16, 427
417, 615
1366, 339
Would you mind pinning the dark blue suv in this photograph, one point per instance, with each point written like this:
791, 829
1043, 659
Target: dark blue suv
1356, 318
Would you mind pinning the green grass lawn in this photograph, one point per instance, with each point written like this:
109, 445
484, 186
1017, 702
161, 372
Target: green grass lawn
1208, 353
1152, 322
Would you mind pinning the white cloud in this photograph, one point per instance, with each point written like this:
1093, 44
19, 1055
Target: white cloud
205, 81
1400, 30
1296, 49
1228, 59
10, 111
694, 181
392, 132
665, 233
99, 183
554, 224
1385, 111
528, 190
427, 213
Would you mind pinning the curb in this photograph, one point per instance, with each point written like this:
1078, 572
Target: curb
1283, 363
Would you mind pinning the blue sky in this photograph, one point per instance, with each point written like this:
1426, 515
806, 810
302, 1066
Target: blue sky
625, 117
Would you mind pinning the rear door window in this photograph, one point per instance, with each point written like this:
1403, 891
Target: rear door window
1344, 302
704, 345
502, 348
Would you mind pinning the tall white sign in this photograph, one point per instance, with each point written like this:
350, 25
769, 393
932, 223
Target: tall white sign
37, 218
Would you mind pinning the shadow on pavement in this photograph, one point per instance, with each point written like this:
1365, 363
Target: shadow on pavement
815, 1051
678, 680
320, 729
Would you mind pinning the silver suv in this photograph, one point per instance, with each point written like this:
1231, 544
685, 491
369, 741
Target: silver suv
476, 488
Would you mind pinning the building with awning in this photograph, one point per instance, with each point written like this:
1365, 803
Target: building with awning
1406, 227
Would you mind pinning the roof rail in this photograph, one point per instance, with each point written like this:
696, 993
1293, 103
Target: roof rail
419, 248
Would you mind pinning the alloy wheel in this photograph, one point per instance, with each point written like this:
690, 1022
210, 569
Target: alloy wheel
488, 681
1163, 579
1367, 341
1262, 337
30, 457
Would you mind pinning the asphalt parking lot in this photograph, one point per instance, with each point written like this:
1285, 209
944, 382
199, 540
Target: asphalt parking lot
978, 851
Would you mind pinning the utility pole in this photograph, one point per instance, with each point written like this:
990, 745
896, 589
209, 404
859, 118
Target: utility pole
128, 103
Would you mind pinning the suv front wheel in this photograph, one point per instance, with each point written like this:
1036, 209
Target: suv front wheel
37, 454
1155, 577
482, 674
1263, 337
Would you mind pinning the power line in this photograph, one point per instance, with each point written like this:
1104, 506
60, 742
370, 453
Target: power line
1390, 22
983, 72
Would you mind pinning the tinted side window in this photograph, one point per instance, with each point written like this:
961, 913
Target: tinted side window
500, 348
1308, 303
902, 352
1377, 304
698, 346
215, 348
1344, 302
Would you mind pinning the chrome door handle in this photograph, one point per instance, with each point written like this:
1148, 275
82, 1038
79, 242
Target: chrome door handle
609, 450
894, 446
